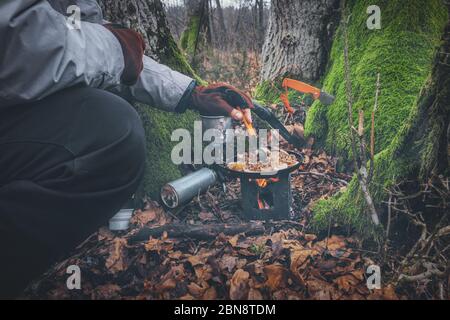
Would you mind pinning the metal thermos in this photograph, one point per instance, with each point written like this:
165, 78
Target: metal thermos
182, 191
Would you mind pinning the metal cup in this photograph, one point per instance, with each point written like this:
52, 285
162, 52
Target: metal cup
220, 123
121, 221
216, 122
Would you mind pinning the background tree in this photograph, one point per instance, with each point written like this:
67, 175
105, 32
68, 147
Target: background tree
197, 32
222, 33
260, 21
148, 18
236, 30
298, 39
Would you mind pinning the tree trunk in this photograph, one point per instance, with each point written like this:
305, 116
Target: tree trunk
259, 4
419, 152
197, 30
427, 134
299, 38
148, 18
222, 33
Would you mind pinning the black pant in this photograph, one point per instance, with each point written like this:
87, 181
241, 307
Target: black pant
67, 164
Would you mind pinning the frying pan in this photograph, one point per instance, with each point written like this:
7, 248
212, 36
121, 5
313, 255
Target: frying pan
223, 169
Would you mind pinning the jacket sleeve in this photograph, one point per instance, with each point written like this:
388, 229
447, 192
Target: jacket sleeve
162, 87
40, 54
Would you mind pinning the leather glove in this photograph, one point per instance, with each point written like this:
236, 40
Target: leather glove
222, 100
133, 47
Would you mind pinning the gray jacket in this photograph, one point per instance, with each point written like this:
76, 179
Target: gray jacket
40, 55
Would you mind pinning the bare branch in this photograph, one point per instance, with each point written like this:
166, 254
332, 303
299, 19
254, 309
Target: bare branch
359, 158
431, 271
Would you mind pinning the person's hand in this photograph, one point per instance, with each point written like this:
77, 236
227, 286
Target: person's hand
133, 47
222, 100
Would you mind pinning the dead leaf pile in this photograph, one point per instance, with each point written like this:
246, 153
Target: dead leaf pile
287, 264
283, 263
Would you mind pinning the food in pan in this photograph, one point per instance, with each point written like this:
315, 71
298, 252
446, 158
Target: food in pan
264, 165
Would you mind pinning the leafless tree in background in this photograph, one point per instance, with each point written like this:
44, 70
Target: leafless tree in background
228, 28
229, 46
197, 32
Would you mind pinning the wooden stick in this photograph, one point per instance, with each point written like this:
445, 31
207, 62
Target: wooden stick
359, 159
372, 131
199, 232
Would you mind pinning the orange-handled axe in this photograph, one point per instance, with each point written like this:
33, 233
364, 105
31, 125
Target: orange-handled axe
302, 87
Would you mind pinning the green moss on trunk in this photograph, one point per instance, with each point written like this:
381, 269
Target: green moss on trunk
416, 151
159, 126
401, 52
189, 38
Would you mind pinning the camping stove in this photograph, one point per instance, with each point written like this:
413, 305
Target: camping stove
265, 199
265, 196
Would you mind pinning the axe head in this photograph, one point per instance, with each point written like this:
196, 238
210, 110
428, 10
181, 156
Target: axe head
326, 98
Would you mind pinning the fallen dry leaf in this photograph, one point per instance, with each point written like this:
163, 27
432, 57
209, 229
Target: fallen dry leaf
116, 260
142, 218
321, 290
234, 240
255, 294
386, 293
196, 290
300, 257
332, 243
276, 276
358, 274
200, 258
203, 272
239, 287
166, 285
347, 283
210, 294
106, 292
105, 234
158, 245
228, 262
170, 279
176, 255
310, 237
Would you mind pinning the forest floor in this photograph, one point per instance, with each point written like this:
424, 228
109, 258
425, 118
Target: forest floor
284, 260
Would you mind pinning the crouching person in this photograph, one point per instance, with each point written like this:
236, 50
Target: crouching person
71, 151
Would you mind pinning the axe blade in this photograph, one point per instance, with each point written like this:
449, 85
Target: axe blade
326, 99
